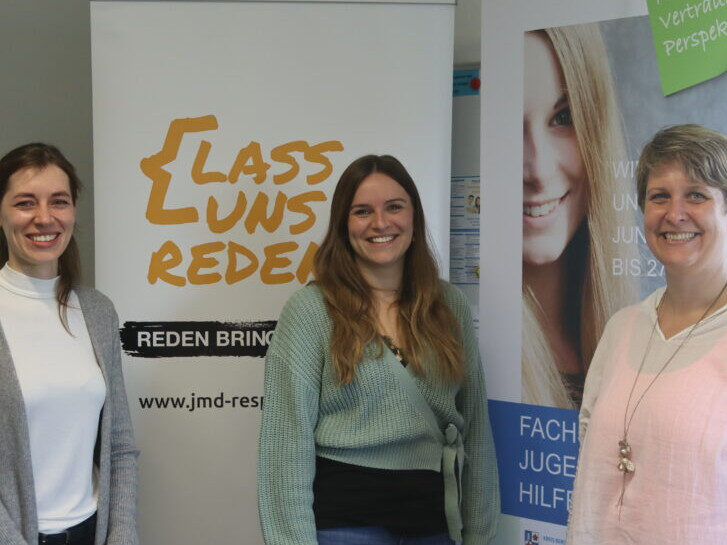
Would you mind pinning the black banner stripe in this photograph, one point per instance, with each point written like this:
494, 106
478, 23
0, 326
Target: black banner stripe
194, 339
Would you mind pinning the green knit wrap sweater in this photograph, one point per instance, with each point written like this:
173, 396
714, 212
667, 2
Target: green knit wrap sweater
370, 422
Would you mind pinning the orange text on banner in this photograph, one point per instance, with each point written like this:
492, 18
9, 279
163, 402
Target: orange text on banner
203, 264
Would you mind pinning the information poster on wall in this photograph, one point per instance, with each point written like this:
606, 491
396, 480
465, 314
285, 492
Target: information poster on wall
464, 239
220, 130
573, 95
464, 236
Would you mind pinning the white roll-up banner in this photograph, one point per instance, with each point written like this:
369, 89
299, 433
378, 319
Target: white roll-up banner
220, 130
561, 252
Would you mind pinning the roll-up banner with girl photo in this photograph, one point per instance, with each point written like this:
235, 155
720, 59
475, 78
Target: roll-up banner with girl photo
580, 83
220, 130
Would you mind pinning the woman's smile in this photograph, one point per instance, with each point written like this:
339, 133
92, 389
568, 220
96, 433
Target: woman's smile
381, 239
543, 208
44, 240
679, 238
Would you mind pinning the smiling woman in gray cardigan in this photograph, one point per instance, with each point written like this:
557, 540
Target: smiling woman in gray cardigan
67, 454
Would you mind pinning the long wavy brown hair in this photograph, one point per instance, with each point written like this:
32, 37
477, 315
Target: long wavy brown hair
39, 156
426, 325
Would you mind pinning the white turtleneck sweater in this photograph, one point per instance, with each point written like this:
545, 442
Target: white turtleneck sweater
64, 391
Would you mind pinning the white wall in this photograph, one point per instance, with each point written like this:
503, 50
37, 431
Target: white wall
46, 90
467, 28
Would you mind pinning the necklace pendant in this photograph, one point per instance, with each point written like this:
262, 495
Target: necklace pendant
624, 463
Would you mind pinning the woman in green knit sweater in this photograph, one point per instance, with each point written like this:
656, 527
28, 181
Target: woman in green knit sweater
375, 427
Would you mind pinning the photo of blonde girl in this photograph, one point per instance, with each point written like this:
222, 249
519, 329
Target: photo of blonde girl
572, 138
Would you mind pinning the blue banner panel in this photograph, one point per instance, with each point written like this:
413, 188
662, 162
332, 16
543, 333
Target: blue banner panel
537, 453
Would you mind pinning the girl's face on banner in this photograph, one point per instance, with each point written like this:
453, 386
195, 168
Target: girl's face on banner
554, 194
37, 215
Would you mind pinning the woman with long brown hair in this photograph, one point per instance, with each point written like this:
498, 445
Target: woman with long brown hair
375, 426
67, 455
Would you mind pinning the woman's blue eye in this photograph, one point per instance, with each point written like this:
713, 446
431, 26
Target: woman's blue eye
696, 195
360, 212
396, 207
563, 118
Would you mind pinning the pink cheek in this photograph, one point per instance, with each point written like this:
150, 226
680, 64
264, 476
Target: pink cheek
571, 162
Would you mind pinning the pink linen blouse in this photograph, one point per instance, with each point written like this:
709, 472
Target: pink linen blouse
678, 491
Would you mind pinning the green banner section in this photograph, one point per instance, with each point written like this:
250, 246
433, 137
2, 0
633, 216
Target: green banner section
690, 37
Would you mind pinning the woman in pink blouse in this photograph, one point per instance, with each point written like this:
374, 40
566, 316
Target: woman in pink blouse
653, 463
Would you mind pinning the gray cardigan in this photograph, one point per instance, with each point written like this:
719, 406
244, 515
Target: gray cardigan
115, 454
